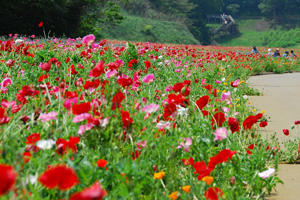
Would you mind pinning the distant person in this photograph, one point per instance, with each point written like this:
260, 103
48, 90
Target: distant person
286, 54
276, 53
270, 53
254, 50
293, 55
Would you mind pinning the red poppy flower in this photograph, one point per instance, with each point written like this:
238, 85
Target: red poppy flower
202, 102
132, 62
286, 132
3, 118
60, 176
297, 122
78, 109
97, 70
169, 110
126, 119
263, 124
125, 82
43, 77
8, 178
117, 100
26, 157
94, 192
33, 138
250, 147
147, 64
189, 161
249, 122
101, 163
213, 193
221, 157
135, 155
218, 118
41, 24
201, 169
63, 145
233, 124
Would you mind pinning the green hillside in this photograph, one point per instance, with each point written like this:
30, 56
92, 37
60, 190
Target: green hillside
136, 28
260, 33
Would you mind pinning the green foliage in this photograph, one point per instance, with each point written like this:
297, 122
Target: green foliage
60, 17
249, 35
134, 28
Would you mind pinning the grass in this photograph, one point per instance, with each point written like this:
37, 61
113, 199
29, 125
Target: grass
259, 32
135, 28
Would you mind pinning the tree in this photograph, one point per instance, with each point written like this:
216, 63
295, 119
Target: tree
60, 17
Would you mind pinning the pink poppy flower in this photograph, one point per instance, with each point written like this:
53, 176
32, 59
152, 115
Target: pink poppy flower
6, 82
220, 134
141, 144
265, 174
151, 108
186, 145
148, 78
48, 116
111, 73
235, 83
81, 117
226, 97
88, 39
85, 127
163, 125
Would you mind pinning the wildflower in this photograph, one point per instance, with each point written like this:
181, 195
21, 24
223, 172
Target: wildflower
101, 163
159, 175
64, 145
233, 125
41, 24
297, 122
186, 145
78, 109
148, 78
218, 118
286, 132
126, 119
88, 40
81, 117
263, 124
250, 147
265, 174
45, 144
141, 144
33, 138
94, 192
186, 188
220, 134
226, 96
60, 176
213, 193
48, 116
151, 108
173, 195
202, 102
85, 127
208, 180
235, 83
8, 178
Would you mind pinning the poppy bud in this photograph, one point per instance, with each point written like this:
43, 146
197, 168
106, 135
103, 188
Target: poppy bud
232, 180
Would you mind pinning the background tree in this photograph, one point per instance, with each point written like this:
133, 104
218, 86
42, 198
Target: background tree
60, 17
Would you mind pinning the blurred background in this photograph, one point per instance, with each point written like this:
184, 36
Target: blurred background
273, 23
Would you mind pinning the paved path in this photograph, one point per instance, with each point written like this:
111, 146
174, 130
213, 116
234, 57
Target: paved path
281, 101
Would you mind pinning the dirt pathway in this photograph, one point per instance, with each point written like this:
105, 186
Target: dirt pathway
281, 101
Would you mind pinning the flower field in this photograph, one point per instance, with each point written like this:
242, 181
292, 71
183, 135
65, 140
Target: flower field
81, 119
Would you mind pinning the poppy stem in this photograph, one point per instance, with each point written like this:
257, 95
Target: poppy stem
162, 182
